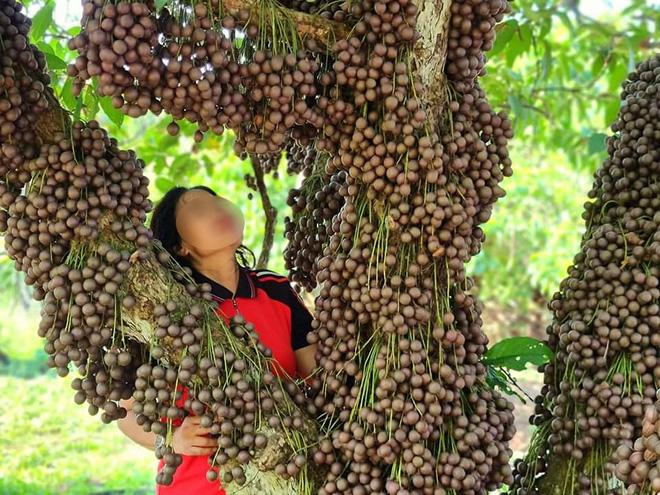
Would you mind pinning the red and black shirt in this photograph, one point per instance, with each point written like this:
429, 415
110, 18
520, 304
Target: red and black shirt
282, 322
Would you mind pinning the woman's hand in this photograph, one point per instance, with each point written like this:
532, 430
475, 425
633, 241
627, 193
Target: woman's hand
190, 439
306, 360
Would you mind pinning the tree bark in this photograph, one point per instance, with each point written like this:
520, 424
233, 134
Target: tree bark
430, 54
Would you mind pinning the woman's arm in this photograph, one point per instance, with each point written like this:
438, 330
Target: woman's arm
134, 431
305, 360
191, 438
301, 326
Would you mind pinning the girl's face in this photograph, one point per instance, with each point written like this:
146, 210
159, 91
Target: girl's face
207, 223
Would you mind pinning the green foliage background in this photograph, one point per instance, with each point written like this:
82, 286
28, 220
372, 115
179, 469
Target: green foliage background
556, 68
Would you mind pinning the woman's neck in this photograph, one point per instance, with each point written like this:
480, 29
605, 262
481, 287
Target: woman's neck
220, 267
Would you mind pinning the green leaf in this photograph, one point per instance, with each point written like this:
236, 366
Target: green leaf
76, 111
90, 99
66, 94
239, 42
41, 21
208, 164
44, 47
90, 102
618, 73
164, 184
180, 164
546, 62
519, 43
54, 62
611, 111
165, 140
160, 163
160, 4
516, 352
114, 114
596, 143
597, 64
498, 378
505, 31
639, 37
61, 49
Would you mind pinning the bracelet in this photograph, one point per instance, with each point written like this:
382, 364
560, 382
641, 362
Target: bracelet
159, 443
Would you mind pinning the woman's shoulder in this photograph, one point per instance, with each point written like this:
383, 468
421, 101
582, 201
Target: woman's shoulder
265, 275
275, 285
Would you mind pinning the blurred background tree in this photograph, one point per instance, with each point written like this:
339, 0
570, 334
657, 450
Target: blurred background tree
556, 68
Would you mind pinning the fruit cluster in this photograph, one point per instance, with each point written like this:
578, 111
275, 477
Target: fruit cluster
639, 464
72, 207
190, 67
402, 392
606, 327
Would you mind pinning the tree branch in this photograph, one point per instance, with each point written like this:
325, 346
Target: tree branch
269, 210
314, 26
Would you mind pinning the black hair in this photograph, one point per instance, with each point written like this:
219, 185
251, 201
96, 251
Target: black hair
163, 226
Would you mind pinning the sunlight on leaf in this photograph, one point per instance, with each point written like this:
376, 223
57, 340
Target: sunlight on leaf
515, 353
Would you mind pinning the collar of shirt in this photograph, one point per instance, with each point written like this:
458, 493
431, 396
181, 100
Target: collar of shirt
245, 285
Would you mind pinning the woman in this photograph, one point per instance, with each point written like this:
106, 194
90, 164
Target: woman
204, 231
